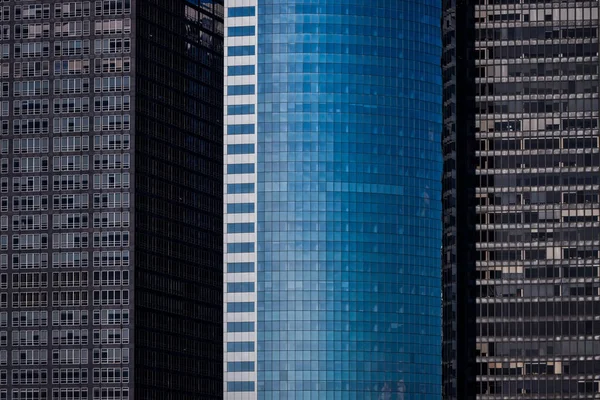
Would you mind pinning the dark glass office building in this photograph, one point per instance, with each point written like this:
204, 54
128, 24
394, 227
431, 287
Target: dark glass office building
521, 272
111, 199
333, 200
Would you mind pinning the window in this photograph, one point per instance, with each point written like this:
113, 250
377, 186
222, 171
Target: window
112, 103
112, 84
72, 9
241, 11
31, 107
30, 126
30, 145
111, 317
240, 366
240, 287
31, 88
111, 297
113, 7
110, 65
70, 201
241, 386
30, 183
70, 376
112, 26
71, 143
240, 208
233, 169
111, 258
72, 240
111, 200
235, 90
28, 69
111, 239
112, 142
72, 28
112, 161
111, 336
32, 31
31, 50
70, 163
242, 129
240, 327
70, 182
234, 31
235, 307
71, 105
72, 48
70, 337
111, 123
112, 46
70, 260
238, 70
32, 11
71, 67
29, 222
240, 347
111, 356
240, 227
111, 181
240, 149
237, 188
240, 247
241, 50
72, 85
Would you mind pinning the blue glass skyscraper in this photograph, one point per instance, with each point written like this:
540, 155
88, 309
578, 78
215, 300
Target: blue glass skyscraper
333, 212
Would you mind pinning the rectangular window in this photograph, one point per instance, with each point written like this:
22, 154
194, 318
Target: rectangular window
239, 90
241, 12
240, 169
240, 287
247, 247
240, 208
240, 149
240, 109
240, 129
240, 227
240, 366
241, 386
241, 51
238, 70
236, 307
240, 267
234, 31
240, 347
238, 188
240, 327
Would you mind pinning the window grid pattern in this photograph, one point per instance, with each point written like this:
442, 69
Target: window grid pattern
348, 199
534, 195
48, 298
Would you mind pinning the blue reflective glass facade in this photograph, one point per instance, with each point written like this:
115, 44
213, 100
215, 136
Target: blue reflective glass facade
348, 199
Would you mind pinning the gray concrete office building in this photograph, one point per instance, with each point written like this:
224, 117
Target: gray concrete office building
111, 199
521, 206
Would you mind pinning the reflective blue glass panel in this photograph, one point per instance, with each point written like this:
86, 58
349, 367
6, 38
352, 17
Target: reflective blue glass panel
349, 209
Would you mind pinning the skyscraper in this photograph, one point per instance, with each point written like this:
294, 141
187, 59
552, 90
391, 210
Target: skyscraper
111, 198
332, 204
521, 208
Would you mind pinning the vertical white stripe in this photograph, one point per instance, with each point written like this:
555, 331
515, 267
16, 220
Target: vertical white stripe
240, 198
